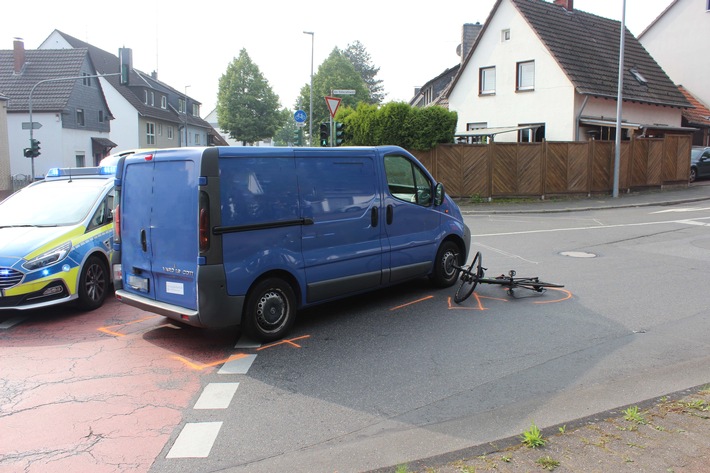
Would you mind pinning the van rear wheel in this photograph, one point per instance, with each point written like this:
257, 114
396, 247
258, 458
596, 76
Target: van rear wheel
270, 310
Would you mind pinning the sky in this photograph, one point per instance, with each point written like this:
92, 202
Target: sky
191, 44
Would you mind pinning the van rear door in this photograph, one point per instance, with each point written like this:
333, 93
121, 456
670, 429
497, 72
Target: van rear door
159, 231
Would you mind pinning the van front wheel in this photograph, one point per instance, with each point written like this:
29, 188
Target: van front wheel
447, 258
270, 310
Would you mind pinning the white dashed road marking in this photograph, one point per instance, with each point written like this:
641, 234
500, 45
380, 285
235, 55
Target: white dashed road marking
216, 396
238, 366
195, 440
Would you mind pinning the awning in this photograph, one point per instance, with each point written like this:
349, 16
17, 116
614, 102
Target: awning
632, 126
103, 142
497, 130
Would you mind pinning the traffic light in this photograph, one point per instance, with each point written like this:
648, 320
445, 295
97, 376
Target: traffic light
33, 150
324, 134
339, 133
297, 137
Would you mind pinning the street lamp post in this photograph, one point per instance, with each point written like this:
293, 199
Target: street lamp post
186, 136
310, 111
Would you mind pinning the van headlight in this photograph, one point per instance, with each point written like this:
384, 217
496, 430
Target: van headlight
48, 258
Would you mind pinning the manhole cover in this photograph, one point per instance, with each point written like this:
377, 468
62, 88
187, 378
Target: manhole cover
578, 254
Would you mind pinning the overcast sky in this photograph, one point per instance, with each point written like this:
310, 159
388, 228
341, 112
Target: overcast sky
191, 44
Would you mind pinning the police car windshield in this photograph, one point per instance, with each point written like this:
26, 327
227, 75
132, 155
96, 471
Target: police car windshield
51, 203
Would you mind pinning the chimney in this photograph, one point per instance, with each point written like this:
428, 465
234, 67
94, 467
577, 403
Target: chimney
19, 55
566, 4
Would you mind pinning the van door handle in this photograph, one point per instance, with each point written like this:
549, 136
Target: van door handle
390, 214
374, 216
144, 243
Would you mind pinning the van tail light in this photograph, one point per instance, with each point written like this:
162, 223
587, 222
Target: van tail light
204, 217
117, 224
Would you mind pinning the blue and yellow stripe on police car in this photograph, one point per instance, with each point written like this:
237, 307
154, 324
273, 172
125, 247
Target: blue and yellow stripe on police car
69, 268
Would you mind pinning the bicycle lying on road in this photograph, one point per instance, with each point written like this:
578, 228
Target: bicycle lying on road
474, 274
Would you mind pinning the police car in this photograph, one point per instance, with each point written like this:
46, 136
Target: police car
56, 237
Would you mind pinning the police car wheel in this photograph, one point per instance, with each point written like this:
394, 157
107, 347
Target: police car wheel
93, 284
445, 274
270, 310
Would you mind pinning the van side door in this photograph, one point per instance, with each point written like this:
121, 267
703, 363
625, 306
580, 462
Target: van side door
342, 249
412, 225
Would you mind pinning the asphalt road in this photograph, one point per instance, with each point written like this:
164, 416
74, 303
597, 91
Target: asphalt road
382, 379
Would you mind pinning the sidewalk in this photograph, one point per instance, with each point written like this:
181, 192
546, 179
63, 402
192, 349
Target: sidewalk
670, 434
696, 192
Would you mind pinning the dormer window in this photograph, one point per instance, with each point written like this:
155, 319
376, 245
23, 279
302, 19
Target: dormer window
637, 75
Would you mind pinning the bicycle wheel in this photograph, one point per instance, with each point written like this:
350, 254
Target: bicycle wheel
469, 279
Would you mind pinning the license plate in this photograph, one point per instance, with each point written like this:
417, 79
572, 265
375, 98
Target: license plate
138, 283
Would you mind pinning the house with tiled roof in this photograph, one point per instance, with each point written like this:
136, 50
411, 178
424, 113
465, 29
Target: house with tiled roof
698, 118
542, 70
71, 116
149, 113
678, 39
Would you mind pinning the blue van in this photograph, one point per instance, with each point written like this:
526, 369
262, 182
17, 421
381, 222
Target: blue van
224, 236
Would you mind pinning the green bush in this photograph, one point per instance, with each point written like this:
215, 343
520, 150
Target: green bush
398, 123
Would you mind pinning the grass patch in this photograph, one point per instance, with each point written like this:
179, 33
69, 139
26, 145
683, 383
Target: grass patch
532, 438
632, 414
547, 462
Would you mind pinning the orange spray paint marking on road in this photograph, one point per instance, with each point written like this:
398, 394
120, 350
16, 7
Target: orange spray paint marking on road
567, 296
413, 302
287, 342
202, 366
479, 304
107, 329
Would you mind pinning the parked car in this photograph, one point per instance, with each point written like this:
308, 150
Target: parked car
699, 163
56, 237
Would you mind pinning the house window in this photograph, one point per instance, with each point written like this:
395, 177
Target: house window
86, 80
150, 133
101, 116
526, 76
170, 132
197, 138
505, 35
195, 110
80, 116
145, 98
487, 81
160, 129
80, 160
639, 78
163, 102
181, 106
152, 99
534, 134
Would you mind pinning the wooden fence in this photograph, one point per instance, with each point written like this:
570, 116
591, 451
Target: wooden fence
550, 168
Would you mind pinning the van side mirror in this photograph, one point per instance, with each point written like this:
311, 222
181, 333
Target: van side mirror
439, 194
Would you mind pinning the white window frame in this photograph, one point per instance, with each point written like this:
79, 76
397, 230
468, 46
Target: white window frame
80, 159
487, 80
197, 139
505, 35
525, 76
170, 132
163, 102
80, 118
150, 133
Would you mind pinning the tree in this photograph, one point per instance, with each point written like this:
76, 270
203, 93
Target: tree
336, 72
247, 107
360, 58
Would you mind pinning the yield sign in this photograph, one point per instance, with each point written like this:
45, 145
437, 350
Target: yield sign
333, 104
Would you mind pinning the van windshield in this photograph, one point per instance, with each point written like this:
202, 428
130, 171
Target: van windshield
51, 203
